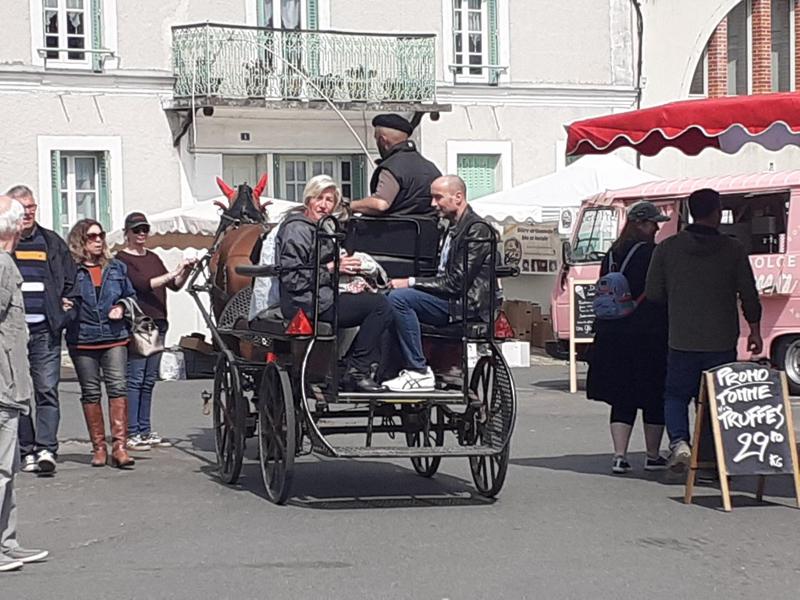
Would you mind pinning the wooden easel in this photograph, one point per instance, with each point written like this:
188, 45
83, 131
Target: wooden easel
707, 410
573, 340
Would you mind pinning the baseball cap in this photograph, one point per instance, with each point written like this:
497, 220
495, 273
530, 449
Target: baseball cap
646, 211
134, 220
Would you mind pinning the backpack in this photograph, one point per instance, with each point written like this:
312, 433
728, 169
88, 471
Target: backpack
613, 298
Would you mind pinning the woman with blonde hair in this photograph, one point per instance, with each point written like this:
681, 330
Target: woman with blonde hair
97, 338
295, 245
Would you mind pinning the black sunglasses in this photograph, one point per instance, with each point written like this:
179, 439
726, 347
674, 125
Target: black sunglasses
141, 229
93, 237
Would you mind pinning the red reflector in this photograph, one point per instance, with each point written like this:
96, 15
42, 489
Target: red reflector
502, 328
271, 357
300, 325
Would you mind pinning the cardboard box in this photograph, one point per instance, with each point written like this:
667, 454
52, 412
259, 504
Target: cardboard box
197, 343
517, 354
542, 332
520, 314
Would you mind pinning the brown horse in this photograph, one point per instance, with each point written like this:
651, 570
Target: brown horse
243, 220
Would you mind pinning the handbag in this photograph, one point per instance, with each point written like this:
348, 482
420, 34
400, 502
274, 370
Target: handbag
145, 337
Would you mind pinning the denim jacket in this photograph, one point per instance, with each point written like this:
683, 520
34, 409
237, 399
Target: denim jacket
89, 317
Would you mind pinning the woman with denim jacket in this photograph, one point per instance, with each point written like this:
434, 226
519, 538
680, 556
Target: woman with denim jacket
97, 337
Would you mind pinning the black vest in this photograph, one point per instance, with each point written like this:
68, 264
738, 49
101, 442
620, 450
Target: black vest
415, 175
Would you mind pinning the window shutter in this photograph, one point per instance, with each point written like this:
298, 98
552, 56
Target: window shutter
312, 14
103, 190
357, 175
494, 53
478, 172
276, 176
260, 18
97, 35
55, 190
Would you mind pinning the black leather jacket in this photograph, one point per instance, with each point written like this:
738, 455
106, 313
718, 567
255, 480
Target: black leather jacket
449, 284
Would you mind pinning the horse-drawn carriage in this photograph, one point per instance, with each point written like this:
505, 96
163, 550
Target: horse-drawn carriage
278, 379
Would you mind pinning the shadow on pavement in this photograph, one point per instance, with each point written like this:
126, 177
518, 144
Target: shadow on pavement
714, 501
558, 385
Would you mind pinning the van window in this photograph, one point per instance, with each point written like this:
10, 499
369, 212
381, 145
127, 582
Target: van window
757, 221
596, 231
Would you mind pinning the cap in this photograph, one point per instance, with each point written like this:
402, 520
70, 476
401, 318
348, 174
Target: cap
134, 219
392, 121
646, 211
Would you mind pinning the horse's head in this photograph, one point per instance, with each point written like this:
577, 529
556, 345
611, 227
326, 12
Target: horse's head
244, 204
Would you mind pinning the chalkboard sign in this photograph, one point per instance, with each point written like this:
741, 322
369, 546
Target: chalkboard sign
583, 293
747, 407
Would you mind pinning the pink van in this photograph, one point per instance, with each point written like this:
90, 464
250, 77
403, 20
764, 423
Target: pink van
761, 210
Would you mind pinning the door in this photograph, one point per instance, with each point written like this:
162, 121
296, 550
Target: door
238, 169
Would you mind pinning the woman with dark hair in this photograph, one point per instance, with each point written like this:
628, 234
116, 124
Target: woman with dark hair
97, 338
628, 359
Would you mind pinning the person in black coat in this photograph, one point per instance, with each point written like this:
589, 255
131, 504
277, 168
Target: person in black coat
628, 360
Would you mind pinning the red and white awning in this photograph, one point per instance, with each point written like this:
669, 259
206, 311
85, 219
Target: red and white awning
727, 124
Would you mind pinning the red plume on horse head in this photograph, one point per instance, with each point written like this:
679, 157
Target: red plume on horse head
232, 194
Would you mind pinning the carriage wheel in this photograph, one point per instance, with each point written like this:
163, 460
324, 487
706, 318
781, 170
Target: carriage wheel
229, 417
427, 465
488, 472
276, 433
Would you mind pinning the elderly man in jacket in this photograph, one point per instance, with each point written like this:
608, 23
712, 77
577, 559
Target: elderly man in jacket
16, 387
437, 300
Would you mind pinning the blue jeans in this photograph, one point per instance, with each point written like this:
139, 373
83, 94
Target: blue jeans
142, 376
684, 370
410, 308
44, 354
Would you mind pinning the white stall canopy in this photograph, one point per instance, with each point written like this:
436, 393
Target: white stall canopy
195, 226
547, 198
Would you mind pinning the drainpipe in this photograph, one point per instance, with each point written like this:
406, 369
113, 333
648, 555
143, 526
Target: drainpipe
639, 61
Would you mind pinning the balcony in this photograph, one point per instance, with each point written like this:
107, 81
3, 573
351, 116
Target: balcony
231, 65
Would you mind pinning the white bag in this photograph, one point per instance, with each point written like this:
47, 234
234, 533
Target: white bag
173, 366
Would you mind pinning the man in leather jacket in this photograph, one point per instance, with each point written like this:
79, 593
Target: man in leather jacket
437, 300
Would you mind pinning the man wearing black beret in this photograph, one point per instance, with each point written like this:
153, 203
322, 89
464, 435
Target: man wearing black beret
401, 183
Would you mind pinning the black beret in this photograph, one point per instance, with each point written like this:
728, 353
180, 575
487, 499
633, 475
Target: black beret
393, 122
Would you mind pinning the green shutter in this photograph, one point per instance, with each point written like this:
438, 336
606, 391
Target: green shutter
261, 18
312, 14
494, 52
479, 173
357, 176
97, 35
55, 189
104, 191
276, 176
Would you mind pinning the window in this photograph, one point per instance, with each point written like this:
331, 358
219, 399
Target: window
475, 39
597, 230
293, 172
698, 85
66, 25
480, 172
280, 14
781, 45
758, 222
80, 189
738, 49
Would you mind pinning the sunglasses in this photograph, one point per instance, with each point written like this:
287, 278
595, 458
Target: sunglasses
141, 229
94, 237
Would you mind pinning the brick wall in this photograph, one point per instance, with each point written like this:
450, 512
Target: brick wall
718, 61
762, 46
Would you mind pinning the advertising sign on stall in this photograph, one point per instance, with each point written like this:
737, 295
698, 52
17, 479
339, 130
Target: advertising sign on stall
535, 248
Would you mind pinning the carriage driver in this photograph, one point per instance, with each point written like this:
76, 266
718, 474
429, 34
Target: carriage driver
401, 183
436, 300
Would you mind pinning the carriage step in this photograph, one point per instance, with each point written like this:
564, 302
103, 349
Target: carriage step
400, 452
437, 397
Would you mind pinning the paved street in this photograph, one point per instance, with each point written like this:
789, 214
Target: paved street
562, 528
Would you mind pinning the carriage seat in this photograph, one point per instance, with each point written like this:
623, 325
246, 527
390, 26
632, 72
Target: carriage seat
271, 322
454, 331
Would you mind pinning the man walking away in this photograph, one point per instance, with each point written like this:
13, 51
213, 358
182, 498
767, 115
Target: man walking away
701, 275
16, 387
401, 183
48, 272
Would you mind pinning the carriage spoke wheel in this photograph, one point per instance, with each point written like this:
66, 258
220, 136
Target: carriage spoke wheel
427, 465
229, 416
276, 433
488, 472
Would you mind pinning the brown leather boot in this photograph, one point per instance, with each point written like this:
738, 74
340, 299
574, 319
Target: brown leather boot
93, 413
118, 408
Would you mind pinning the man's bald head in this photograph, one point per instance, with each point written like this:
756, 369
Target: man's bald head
449, 196
386, 138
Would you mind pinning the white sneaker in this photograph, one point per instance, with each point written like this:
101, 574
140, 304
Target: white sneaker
9, 564
680, 457
153, 439
46, 462
136, 443
412, 381
29, 464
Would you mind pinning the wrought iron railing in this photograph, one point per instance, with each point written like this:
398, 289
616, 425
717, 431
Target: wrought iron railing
229, 61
